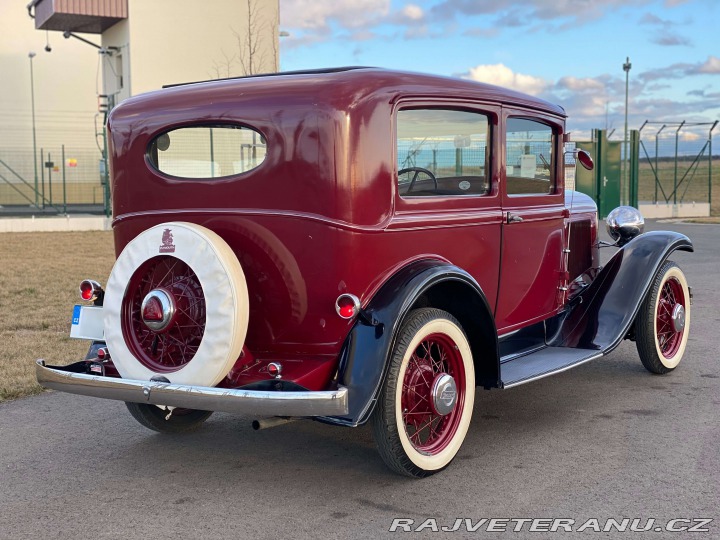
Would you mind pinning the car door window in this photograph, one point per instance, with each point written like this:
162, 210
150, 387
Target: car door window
442, 152
529, 159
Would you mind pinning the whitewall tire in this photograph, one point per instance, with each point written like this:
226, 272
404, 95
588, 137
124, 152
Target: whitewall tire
425, 408
663, 323
205, 330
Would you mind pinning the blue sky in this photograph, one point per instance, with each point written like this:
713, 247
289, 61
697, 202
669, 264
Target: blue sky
570, 52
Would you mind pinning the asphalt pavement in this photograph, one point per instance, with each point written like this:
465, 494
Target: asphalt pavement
606, 440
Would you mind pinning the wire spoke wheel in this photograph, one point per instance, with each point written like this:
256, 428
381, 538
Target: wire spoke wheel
428, 430
169, 349
669, 338
425, 407
662, 325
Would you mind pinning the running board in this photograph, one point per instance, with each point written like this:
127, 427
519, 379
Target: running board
542, 363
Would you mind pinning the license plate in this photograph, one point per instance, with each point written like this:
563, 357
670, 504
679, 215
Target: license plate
87, 323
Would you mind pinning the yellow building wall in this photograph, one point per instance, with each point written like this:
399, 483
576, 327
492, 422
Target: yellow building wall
174, 41
162, 42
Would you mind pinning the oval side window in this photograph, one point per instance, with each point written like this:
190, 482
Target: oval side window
207, 151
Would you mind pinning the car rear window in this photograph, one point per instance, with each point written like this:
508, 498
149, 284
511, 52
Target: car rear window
207, 151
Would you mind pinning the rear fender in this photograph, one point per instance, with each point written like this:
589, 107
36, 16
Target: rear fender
365, 354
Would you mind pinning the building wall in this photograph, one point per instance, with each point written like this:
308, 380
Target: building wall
116, 67
172, 41
162, 42
65, 101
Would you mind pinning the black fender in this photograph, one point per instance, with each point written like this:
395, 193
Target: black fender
602, 315
365, 353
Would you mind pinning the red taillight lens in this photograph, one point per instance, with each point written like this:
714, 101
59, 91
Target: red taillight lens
86, 290
89, 289
347, 306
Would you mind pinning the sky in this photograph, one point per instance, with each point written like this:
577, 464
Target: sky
569, 52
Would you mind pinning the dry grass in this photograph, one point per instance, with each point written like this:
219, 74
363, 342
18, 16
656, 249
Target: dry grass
39, 278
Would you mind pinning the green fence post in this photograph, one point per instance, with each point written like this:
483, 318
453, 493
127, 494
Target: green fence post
710, 161
657, 171
634, 166
106, 172
597, 135
50, 177
677, 136
63, 174
42, 177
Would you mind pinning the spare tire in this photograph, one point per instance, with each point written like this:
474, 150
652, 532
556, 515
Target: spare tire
176, 306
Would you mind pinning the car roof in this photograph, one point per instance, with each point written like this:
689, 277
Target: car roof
364, 81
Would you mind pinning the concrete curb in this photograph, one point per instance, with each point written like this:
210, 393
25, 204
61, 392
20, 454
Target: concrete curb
56, 224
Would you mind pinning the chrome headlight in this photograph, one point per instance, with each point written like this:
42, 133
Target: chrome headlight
624, 223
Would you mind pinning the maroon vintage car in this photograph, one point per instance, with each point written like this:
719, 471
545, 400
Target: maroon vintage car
355, 245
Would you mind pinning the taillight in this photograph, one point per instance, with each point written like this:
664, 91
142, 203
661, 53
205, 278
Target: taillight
347, 306
275, 370
90, 290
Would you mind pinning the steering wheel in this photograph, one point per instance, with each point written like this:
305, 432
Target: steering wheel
417, 171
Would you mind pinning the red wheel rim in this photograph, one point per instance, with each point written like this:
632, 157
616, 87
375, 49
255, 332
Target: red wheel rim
668, 338
171, 348
429, 432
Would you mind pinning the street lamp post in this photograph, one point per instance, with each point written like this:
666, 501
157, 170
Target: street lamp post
31, 55
626, 68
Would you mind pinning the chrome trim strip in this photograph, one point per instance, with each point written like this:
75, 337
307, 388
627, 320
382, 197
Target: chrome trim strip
508, 334
553, 372
238, 401
524, 352
256, 212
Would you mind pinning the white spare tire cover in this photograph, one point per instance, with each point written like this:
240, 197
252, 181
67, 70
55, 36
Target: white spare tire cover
206, 258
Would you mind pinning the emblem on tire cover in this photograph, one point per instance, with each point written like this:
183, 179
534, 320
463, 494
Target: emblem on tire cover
167, 242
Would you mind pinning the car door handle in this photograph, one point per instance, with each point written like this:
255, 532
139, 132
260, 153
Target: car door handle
514, 218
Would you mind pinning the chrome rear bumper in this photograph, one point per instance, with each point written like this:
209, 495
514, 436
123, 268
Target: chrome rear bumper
255, 402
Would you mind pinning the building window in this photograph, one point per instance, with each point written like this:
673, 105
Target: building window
442, 152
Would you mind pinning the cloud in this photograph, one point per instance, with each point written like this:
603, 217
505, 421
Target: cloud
515, 12
313, 21
664, 32
311, 14
653, 20
481, 32
501, 75
711, 66
671, 40
363, 35
703, 93
413, 12
580, 85
593, 102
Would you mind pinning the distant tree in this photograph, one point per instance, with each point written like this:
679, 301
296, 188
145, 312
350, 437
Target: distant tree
251, 53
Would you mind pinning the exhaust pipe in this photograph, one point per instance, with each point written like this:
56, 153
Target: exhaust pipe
265, 423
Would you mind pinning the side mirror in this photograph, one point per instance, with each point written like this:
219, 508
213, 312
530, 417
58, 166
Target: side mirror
585, 160
624, 223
